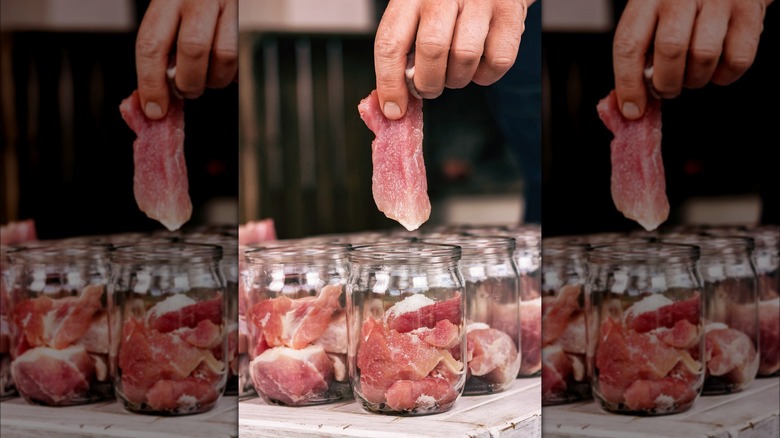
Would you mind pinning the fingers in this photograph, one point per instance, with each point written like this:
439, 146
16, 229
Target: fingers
394, 38
632, 39
502, 42
199, 20
672, 38
707, 43
468, 43
153, 44
223, 67
434, 35
739, 48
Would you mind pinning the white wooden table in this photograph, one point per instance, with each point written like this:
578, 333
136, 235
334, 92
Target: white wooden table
754, 413
110, 419
512, 413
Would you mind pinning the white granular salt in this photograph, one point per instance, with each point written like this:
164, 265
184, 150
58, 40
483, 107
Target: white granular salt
664, 403
408, 304
187, 401
170, 304
425, 401
648, 304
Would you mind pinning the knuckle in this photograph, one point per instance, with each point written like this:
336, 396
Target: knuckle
625, 47
706, 55
433, 48
146, 47
467, 56
499, 63
670, 48
386, 47
739, 62
226, 57
193, 49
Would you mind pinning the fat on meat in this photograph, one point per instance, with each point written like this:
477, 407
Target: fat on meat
53, 376
399, 183
292, 376
160, 183
638, 183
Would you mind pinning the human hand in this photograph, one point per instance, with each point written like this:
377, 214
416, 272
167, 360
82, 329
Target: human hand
206, 49
457, 42
695, 42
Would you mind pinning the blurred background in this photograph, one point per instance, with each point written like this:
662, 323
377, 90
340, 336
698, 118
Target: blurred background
718, 142
67, 157
306, 154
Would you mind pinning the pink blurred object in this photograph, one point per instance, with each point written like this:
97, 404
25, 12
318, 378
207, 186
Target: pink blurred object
256, 232
18, 232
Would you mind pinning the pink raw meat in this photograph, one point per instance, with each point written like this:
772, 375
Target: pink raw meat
638, 180
165, 319
557, 311
292, 376
190, 393
399, 183
14, 233
256, 232
769, 337
664, 395
54, 376
531, 336
494, 357
731, 352
426, 316
429, 392
160, 181
556, 371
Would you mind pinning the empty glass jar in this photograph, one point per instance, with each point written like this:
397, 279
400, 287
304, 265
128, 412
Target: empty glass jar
407, 331
645, 348
297, 324
167, 305
58, 324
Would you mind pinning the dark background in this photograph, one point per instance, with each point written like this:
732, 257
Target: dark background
74, 154
717, 141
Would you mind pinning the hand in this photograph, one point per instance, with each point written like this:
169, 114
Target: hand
695, 42
457, 42
206, 49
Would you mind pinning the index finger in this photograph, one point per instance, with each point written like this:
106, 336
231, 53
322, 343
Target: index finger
153, 44
632, 39
394, 38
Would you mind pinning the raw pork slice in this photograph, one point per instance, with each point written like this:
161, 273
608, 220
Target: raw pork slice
638, 181
14, 233
160, 182
399, 184
256, 231
54, 376
292, 376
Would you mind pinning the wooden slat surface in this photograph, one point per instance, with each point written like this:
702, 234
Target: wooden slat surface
110, 419
513, 413
751, 413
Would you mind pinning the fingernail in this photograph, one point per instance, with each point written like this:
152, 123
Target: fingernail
153, 111
392, 110
630, 110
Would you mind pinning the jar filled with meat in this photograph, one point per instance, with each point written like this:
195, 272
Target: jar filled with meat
6, 382
245, 387
407, 330
643, 305
730, 311
229, 267
492, 311
297, 324
767, 262
564, 361
168, 324
59, 326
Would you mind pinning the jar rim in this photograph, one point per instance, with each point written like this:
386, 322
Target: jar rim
477, 245
165, 253
405, 253
318, 254
641, 253
58, 252
712, 245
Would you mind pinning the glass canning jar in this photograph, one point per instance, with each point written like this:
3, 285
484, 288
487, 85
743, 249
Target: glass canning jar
297, 324
564, 344
645, 348
6, 381
492, 311
59, 326
766, 258
167, 319
406, 327
730, 310
229, 267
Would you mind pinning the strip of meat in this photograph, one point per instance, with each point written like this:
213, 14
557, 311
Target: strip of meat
638, 180
160, 182
399, 183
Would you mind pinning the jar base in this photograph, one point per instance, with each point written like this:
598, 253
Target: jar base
145, 409
620, 408
381, 408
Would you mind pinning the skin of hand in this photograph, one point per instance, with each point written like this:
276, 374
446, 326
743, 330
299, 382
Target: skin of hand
694, 42
205, 36
455, 42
